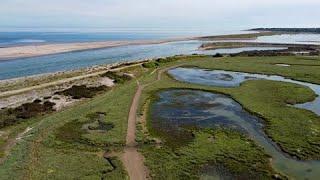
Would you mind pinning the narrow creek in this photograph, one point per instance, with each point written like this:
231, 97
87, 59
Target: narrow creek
179, 108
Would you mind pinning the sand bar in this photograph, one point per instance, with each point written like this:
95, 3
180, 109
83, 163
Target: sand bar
7, 53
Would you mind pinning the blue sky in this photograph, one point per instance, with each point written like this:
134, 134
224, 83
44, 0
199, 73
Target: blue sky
160, 13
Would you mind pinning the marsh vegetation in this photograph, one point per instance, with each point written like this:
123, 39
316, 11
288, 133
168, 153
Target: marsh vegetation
181, 140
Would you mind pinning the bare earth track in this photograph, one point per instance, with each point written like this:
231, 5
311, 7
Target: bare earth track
132, 159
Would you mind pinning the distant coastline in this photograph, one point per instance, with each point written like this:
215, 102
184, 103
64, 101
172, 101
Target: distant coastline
289, 30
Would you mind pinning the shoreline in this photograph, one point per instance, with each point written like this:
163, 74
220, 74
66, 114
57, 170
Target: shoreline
27, 51
70, 76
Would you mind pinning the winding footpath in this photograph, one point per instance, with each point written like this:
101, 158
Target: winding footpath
132, 159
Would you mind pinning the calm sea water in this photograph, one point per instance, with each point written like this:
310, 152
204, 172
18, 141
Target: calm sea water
26, 38
14, 37
74, 60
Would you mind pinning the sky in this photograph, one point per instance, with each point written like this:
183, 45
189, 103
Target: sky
219, 14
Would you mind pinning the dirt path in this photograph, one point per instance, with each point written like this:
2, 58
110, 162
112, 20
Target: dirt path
132, 159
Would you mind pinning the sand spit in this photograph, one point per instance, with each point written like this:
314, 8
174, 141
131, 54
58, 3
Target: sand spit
8, 53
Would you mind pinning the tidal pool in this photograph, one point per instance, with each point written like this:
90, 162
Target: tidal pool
178, 109
233, 79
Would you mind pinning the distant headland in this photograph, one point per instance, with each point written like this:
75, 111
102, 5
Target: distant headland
289, 30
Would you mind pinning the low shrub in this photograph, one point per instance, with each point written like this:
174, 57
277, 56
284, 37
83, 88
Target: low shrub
150, 64
117, 77
78, 92
217, 55
13, 116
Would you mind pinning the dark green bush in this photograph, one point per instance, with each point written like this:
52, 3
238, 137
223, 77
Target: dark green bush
217, 55
13, 116
150, 64
78, 92
117, 77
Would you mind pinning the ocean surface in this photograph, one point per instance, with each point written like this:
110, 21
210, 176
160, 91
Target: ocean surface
74, 60
18, 37
26, 38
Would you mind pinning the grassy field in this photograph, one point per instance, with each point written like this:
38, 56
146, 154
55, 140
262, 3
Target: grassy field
45, 154
58, 146
295, 130
242, 157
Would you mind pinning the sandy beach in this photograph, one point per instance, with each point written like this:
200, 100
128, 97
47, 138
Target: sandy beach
8, 53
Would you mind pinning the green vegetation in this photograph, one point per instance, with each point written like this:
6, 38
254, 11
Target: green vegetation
289, 30
117, 77
240, 36
12, 116
150, 64
238, 154
70, 144
50, 153
164, 61
78, 92
74, 132
268, 100
295, 130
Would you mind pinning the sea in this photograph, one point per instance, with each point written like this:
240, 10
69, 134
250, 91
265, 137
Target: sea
21, 67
